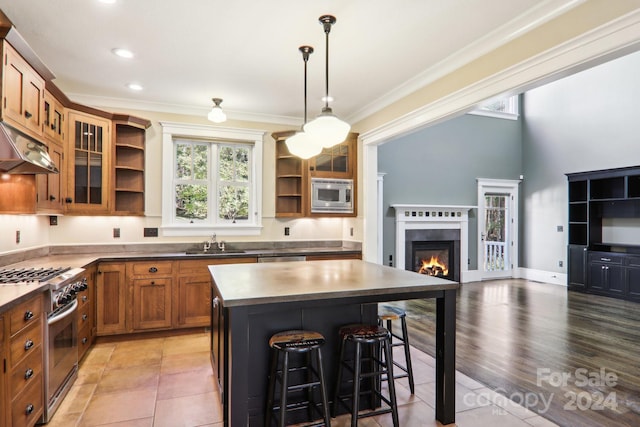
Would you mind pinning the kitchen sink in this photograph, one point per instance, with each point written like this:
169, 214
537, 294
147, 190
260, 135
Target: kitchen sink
214, 252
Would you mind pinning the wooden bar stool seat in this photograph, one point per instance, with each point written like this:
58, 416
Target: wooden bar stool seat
297, 378
372, 339
388, 314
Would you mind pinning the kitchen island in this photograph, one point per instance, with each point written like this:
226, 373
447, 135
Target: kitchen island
254, 301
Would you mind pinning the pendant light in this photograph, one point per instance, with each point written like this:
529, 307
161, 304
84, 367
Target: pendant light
302, 144
216, 115
327, 127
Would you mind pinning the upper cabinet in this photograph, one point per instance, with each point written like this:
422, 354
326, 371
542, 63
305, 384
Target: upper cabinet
128, 171
338, 161
22, 92
87, 164
53, 119
293, 174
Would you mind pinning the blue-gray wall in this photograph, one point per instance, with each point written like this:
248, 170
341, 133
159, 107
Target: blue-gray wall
439, 165
587, 121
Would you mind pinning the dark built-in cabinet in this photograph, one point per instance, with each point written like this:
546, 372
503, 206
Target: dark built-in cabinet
594, 266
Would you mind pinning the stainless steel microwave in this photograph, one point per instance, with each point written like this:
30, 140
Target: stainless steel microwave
331, 195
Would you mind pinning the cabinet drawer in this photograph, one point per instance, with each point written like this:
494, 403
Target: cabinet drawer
85, 316
27, 407
26, 372
26, 313
606, 258
194, 267
26, 342
85, 339
83, 298
151, 268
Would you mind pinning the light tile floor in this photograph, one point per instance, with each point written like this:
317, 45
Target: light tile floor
169, 382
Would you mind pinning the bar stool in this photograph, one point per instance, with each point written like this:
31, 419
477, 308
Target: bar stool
374, 337
389, 314
286, 344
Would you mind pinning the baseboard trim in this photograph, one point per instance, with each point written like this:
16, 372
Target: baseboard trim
541, 276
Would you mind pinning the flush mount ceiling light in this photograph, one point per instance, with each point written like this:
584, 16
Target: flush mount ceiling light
216, 115
135, 86
122, 53
327, 127
302, 144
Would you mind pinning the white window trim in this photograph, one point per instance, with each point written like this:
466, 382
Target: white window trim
480, 111
170, 130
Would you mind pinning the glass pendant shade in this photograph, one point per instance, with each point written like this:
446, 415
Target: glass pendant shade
303, 145
328, 129
216, 115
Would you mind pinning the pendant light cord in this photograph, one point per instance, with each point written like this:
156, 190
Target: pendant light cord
306, 51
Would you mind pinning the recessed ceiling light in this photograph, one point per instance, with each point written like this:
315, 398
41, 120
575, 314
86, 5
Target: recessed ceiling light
134, 86
107, 1
122, 53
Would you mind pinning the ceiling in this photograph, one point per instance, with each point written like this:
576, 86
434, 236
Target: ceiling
246, 51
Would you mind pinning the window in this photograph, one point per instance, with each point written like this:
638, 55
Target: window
211, 180
503, 108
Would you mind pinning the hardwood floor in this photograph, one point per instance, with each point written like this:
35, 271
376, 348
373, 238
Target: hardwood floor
570, 357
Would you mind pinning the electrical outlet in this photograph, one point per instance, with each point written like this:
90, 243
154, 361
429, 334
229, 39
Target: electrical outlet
560, 263
351, 231
116, 233
560, 228
53, 220
150, 232
17, 236
286, 231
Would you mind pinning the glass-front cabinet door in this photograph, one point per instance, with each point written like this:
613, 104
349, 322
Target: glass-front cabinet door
88, 160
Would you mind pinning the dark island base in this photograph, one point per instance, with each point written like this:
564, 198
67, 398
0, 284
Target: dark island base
264, 321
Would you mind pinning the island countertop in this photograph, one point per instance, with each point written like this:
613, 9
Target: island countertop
269, 283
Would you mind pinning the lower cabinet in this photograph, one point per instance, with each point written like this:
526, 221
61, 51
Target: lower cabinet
611, 274
86, 313
606, 273
111, 292
577, 256
150, 289
24, 358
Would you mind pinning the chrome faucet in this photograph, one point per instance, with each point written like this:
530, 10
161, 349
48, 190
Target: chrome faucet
211, 241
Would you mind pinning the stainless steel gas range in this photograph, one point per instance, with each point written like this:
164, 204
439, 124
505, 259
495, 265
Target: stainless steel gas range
61, 346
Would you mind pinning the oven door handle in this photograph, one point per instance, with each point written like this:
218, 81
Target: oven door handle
63, 314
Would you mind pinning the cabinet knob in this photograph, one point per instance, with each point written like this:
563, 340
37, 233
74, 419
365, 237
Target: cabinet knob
68, 200
28, 344
52, 197
84, 340
29, 409
84, 317
28, 373
28, 315
153, 270
27, 114
153, 283
84, 298
215, 302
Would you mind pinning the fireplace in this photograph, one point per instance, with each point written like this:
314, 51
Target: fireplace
434, 252
433, 259
433, 239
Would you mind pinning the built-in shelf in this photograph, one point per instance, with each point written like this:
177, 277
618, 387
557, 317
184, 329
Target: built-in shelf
129, 168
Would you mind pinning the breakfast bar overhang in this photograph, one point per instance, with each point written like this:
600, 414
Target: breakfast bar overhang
253, 301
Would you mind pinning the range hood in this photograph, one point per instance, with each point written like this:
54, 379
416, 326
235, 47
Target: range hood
21, 154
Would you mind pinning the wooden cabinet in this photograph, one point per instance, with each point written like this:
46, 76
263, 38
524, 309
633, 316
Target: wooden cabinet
87, 163
194, 290
86, 313
151, 284
128, 171
333, 256
606, 274
22, 92
53, 119
292, 191
24, 363
111, 299
49, 186
597, 200
293, 174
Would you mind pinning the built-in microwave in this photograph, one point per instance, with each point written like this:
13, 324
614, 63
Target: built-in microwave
331, 195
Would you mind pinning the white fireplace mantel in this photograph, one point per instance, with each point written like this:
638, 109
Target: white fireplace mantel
422, 217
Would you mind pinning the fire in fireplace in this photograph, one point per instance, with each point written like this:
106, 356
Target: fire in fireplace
434, 258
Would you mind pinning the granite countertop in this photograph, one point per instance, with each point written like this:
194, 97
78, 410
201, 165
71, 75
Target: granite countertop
11, 295
267, 283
